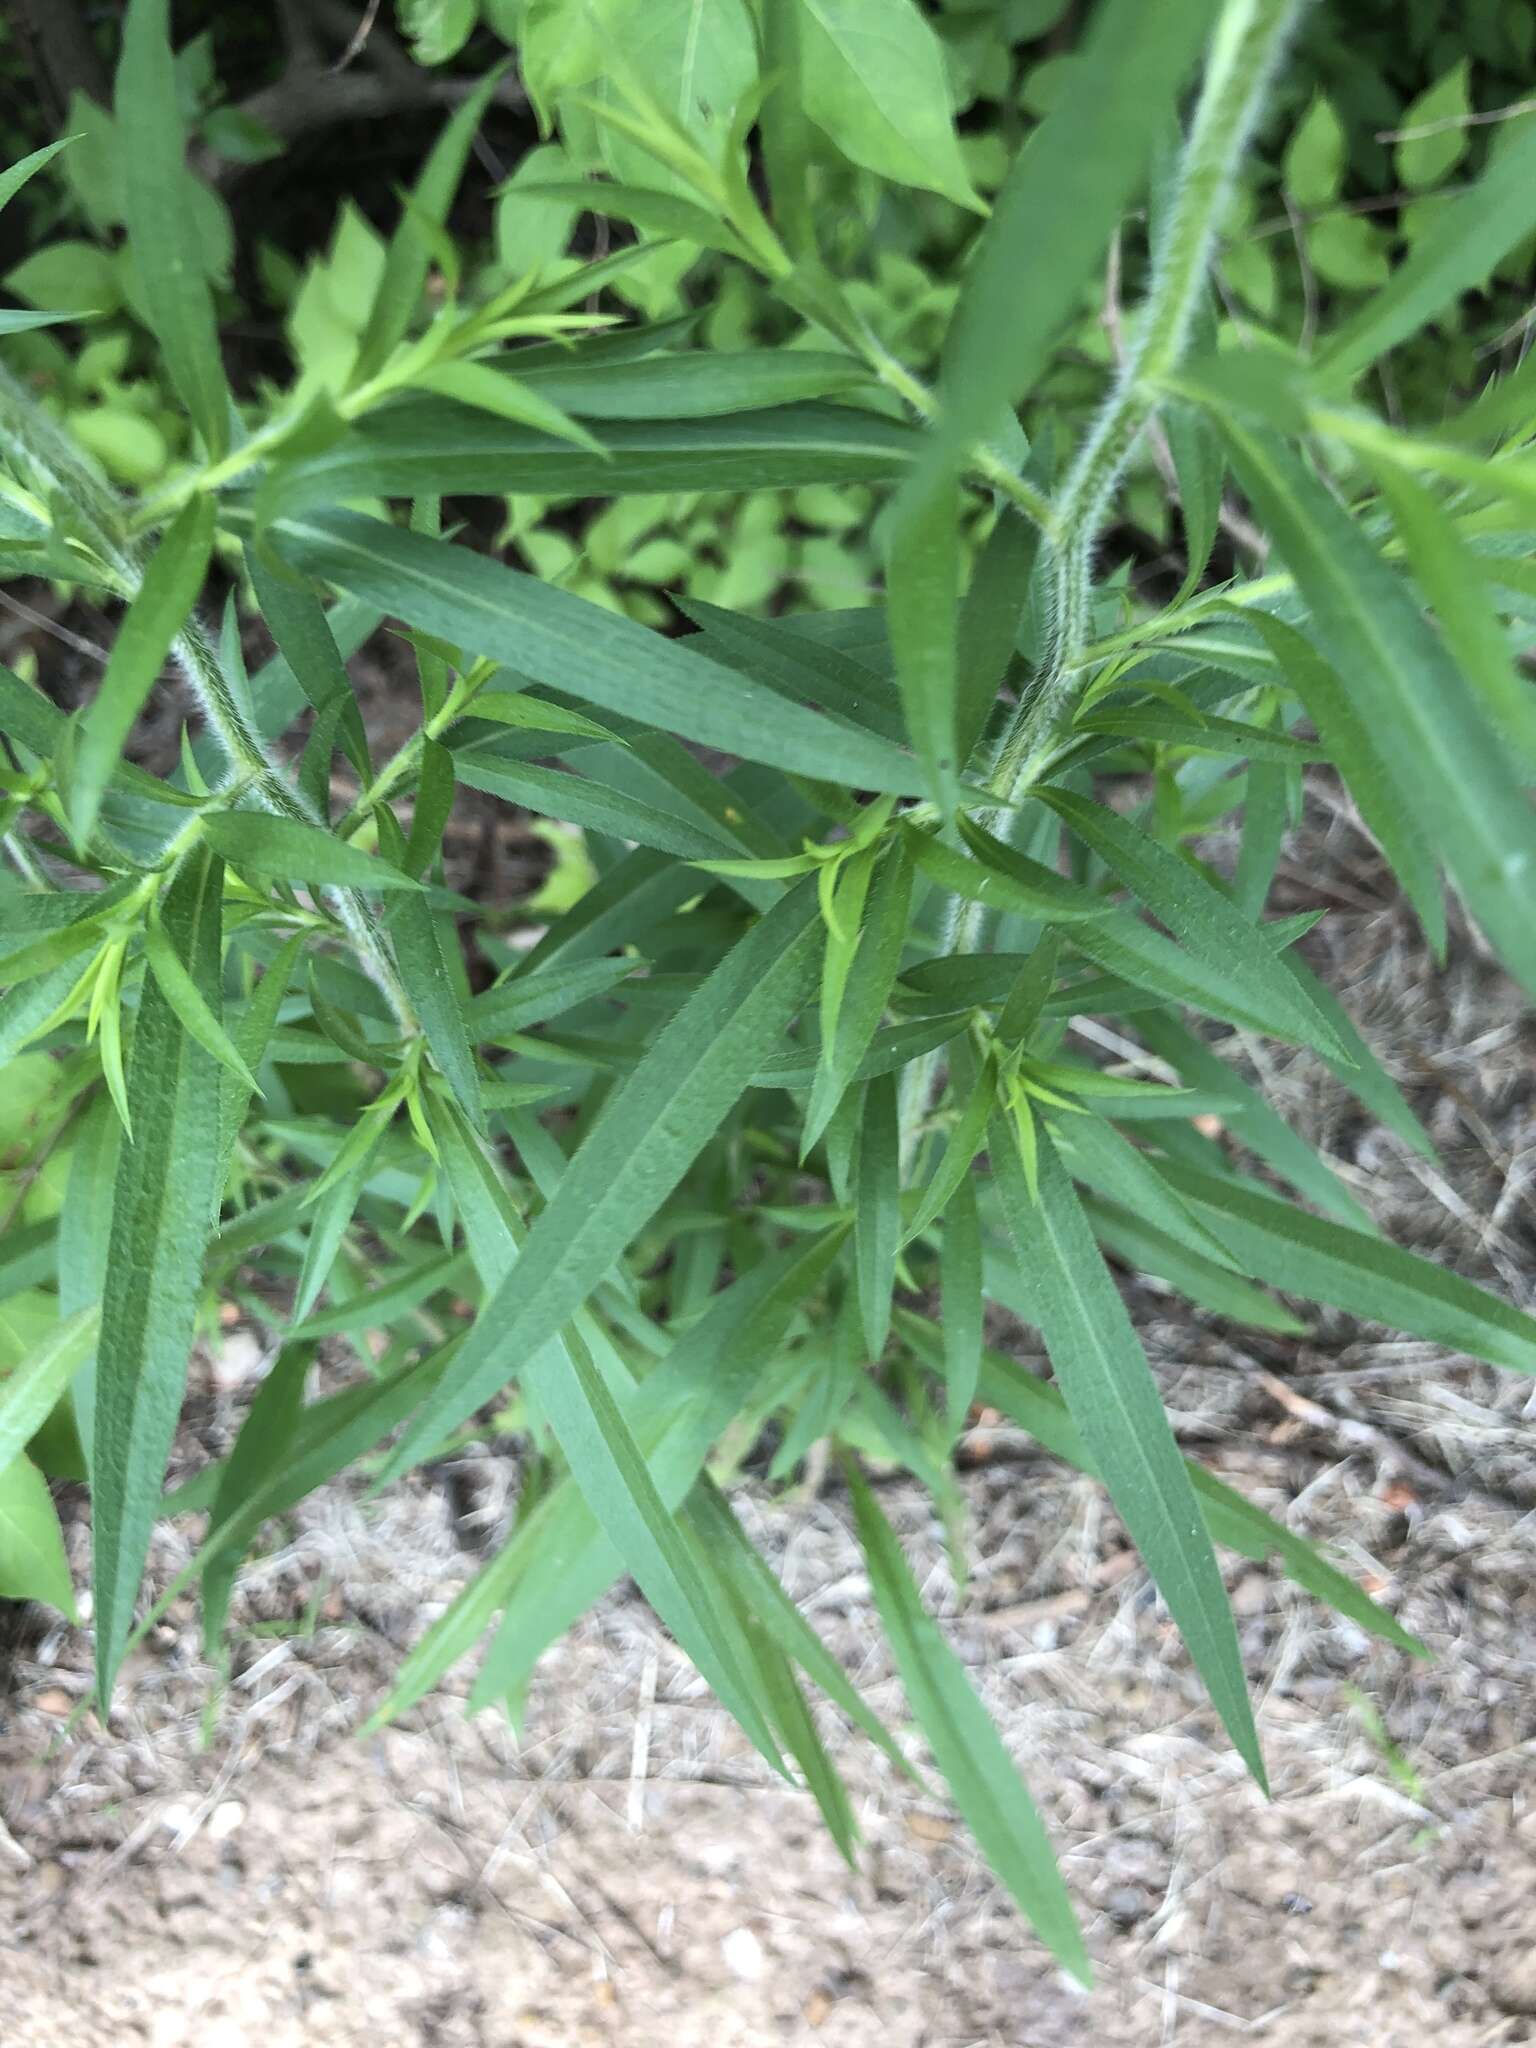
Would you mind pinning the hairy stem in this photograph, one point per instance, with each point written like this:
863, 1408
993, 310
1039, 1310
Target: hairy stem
1244, 51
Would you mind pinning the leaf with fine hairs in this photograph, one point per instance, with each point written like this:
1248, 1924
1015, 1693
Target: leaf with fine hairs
162, 1215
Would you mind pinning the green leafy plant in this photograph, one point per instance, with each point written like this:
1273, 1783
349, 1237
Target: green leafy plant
790, 1084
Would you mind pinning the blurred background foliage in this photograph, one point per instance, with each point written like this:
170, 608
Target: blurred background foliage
312, 116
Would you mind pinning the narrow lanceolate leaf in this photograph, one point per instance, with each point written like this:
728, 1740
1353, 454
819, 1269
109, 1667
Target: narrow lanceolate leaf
1468, 795
582, 800
296, 852
877, 1210
527, 999
566, 1556
922, 597
990, 614
965, 1744
696, 383
162, 233
960, 1148
252, 1033
187, 1000
297, 621
1111, 1394
866, 992
1449, 575
1324, 1261
589, 653
1257, 1125
1208, 923
410, 251
1053, 218
1234, 1522
642, 1144
162, 1213
1380, 778
32, 1561
28, 1392
1003, 879
170, 589
260, 1450
422, 938
431, 444
489, 390
16, 175
960, 1289
608, 1466
1453, 255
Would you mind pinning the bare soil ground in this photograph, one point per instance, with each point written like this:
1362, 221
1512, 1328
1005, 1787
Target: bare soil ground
629, 1873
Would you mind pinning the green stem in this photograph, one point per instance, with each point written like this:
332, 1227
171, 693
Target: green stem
1244, 51
249, 762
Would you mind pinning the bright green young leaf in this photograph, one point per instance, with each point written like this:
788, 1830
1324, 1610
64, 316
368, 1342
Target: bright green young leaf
191, 1007
29, 1392
877, 85
410, 251
32, 1561
866, 992
1440, 114
1313, 166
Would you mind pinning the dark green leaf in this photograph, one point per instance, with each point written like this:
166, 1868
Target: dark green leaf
592, 654
170, 588
642, 1143
296, 852
162, 223
426, 444
1112, 1397
965, 1744
162, 1213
